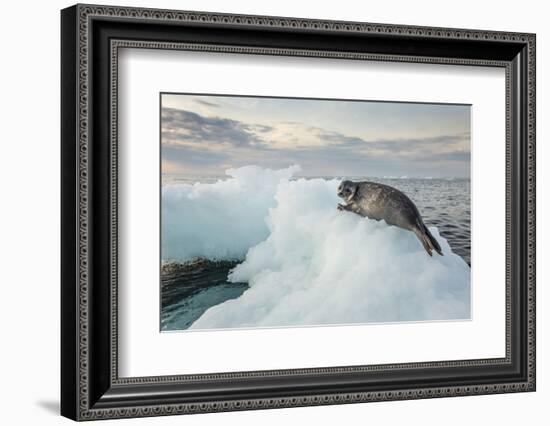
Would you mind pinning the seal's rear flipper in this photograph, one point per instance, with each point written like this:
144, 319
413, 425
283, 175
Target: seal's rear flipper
424, 240
427, 240
433, 242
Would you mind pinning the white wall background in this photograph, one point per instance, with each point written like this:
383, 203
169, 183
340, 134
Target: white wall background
29, 212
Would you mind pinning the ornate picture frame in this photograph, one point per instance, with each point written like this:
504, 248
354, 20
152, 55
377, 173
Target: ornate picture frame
91, 37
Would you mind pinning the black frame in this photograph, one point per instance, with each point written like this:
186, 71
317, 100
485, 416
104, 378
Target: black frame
91, 37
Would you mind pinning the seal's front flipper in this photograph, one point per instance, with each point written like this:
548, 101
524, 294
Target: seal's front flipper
343, 208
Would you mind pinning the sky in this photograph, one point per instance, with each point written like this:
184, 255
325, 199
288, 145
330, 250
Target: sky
204, 135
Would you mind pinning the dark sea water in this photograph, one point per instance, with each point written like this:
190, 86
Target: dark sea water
189, 289
443, 203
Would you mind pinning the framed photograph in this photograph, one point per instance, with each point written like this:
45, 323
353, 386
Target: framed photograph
263, 212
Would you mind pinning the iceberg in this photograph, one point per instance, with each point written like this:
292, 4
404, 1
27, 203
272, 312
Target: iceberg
305, 262
221, 220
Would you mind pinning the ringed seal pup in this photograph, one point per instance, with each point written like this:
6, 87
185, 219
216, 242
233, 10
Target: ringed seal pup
377, 201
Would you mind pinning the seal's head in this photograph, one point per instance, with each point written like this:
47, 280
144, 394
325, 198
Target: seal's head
347, 190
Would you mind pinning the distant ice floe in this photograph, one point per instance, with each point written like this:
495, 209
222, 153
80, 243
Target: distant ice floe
305, 262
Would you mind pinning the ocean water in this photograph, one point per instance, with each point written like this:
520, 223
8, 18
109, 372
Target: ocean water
201, 276
444, 203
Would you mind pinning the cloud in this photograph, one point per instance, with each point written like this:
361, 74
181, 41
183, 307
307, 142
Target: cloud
198, 140
206, 103
180, 127
193, 156
450, 156
407, 144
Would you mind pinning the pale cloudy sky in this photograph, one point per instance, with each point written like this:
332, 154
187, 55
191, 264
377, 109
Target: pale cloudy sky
205, 135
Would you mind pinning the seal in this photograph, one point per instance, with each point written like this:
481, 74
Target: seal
383, 202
